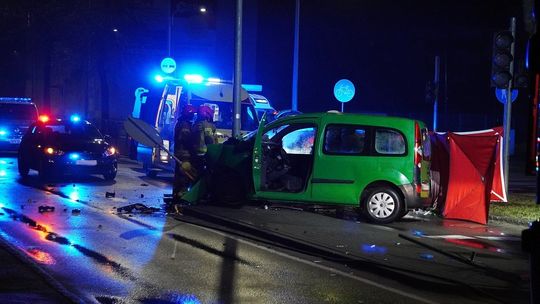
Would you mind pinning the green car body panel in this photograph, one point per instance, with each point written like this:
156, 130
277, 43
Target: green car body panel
337, 179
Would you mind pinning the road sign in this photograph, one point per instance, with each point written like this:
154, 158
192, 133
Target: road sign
168, 65
501, 95
344, 90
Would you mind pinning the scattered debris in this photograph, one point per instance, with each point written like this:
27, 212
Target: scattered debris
41, 228
65, 209
110, 194
144, 185
74, 185
142, 195
137, 207
100, 226
42, 209
76, 211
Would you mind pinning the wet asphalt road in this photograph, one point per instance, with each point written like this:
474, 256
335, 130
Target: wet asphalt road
100, 255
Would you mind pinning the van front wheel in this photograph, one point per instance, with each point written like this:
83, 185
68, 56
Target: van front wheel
382, 205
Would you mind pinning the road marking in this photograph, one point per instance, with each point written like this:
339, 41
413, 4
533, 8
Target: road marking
323, 267
173, 255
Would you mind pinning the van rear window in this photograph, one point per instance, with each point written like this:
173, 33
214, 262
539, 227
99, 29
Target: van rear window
389, 142
344, 139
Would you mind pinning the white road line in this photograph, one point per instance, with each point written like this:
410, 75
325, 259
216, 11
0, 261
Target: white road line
327, 268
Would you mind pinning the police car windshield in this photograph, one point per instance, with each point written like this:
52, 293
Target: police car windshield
17, 111
74, 131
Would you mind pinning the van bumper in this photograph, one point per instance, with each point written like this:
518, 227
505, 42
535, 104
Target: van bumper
413, 200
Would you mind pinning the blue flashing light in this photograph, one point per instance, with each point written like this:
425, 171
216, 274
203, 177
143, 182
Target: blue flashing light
75, 118
193, 78
214, 80
3, 173
159, 78
74, 156
3, 132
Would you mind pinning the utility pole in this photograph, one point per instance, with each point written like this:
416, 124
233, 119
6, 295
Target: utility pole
294, 103
237, 105
436, 91
508, 108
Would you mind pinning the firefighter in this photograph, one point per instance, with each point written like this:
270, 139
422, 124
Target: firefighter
204, 134
183, 149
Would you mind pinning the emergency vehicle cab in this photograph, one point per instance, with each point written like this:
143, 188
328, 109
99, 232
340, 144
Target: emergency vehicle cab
212, 93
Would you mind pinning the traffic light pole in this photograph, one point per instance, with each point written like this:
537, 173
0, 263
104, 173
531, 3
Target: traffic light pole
508, 110
436, 86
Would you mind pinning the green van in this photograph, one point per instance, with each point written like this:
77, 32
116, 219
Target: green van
378, 163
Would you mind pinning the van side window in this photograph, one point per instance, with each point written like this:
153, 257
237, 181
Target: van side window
389, 142
344, 139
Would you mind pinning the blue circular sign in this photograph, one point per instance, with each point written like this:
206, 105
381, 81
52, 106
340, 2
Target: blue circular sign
501, 95
168, 65
344, 90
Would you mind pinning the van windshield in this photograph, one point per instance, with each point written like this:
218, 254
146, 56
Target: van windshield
17, 111
223, 114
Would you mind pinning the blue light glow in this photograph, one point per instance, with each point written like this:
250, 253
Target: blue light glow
252, 87
75, 118
193, 78
426, 256
372, 248
74, 195
214, 80
74, 156
3, 173
158, 78
3, 132
418, 233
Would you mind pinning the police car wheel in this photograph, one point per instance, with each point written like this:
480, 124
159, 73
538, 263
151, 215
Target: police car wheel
23, 167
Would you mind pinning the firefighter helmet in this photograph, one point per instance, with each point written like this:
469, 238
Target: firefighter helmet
205, 112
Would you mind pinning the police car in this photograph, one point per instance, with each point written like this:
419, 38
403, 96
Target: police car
55, 147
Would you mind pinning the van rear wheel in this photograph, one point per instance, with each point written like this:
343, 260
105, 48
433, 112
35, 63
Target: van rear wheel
382, 205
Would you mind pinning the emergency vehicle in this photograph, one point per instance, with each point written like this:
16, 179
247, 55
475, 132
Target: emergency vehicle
196, 91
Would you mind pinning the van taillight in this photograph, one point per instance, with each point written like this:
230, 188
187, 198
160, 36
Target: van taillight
417, 158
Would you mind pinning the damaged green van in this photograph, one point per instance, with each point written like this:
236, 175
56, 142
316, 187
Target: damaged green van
377, 163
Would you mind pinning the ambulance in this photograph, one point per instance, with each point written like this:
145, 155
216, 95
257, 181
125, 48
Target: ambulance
197, 91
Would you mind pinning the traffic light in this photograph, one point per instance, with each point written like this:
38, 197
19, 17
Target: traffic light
502, 59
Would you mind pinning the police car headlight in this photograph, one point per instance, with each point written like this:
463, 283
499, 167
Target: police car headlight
110, 151
53, 151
